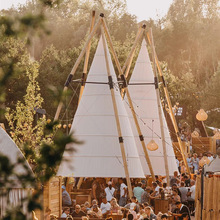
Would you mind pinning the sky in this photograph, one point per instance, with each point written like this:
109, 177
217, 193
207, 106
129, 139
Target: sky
143, 9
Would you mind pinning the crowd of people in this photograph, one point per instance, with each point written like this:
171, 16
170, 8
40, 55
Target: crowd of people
111, 198
195, 162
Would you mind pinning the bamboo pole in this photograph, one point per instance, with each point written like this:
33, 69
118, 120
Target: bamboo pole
85, 68
117, 119
127, 64
141, 137
159, 110
76, 66
170, 109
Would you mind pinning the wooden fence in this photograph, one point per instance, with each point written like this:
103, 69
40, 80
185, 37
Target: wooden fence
51, 198
211, 198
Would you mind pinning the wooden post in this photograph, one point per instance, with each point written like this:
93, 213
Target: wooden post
60, 188
213, 144
76, 65
117, 121
129, 59
85, 68
205, 191
170, 109
215, 198
130, 103
209, 198
159, 110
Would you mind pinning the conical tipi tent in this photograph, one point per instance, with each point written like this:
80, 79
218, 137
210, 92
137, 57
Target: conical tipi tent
9, 149
16, 193
146, 107
94, 124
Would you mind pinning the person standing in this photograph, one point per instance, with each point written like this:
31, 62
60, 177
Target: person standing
123, 193
66, 200
138, 191
195, 161
183, 190
110, 191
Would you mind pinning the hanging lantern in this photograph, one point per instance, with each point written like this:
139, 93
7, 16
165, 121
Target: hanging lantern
64, 126
217, 135
195, 134
201, 115
59, 125
69, 125
152, 145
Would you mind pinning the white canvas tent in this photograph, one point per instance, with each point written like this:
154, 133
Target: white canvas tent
145, 99
16, 194
94, 124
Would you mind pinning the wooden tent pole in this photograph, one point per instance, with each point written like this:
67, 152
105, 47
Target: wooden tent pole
128, 62
159, 110
141, 137
117, 118
84, 76
69, 78
85, 68
170, 107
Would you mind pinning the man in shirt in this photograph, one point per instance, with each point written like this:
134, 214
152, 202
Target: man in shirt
191, 196
123, 193
180, 211
105, 207
183, 191
138, 191
110, 191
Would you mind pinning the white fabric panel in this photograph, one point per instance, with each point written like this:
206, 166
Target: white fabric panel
146, 107
94, 124
10, 149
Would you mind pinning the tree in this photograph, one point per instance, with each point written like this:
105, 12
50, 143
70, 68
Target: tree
49, 154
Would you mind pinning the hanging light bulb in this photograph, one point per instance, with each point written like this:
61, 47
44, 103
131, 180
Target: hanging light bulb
64, 126
152, 146
59, 125
201, 115
69, 125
